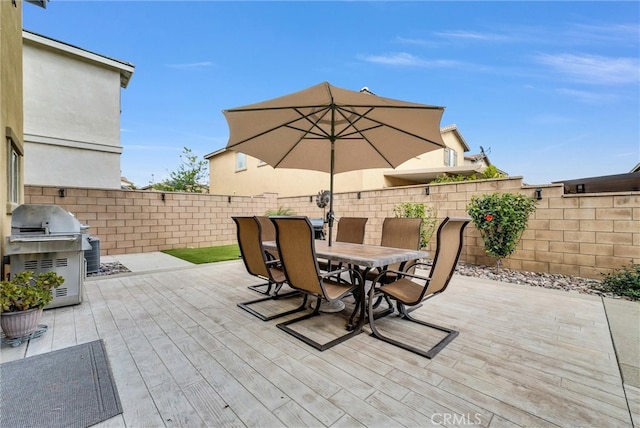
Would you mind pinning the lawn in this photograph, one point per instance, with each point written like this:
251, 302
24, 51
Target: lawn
206, 254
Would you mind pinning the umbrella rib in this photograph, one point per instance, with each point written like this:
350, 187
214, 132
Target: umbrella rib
305, 132
286, 124
380, 123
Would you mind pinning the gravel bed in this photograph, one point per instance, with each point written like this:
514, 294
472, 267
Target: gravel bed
110, 269
536, 279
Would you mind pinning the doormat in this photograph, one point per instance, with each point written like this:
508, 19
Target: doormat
71, 387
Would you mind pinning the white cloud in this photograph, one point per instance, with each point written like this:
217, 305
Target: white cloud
191, 66
472, 35
415, 42
587, 97
593, 69
626, 34
407, 60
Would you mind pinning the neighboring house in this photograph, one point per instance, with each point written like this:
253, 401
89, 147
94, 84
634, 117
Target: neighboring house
72, 103
234, 173
126, 184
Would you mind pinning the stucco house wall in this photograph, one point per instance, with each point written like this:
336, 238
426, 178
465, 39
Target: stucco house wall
259, 177
11, 118
72, 109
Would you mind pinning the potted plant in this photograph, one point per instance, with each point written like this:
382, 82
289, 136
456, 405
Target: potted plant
22, 299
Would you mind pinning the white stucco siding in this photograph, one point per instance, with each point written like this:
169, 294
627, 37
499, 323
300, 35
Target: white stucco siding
69, 98
71, 114
46, 164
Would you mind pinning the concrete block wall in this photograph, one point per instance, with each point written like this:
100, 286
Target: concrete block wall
580, 235
132, 221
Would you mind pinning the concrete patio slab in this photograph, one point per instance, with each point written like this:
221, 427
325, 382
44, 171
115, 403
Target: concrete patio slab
182, 351
624, 323
147, 262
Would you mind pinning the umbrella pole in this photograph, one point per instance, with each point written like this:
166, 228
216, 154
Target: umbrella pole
333, 148
330, 215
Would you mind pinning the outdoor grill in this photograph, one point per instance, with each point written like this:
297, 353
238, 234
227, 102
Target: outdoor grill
46, 238
318, 227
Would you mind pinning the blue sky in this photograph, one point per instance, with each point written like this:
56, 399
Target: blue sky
552, 89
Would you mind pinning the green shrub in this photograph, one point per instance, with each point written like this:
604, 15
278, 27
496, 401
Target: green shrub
429, 216
624, 281
490, 172
501, 219
27, 290
280, 211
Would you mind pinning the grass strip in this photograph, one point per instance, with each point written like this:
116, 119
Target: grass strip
206, 254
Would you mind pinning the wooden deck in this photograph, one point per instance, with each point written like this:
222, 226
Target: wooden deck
183, 354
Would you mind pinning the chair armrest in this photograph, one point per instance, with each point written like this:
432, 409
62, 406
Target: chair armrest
413, 265
401, 274
274, 262
338, 272
334, 272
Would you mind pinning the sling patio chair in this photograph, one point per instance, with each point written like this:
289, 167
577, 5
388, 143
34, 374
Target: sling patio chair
267, 233
260, 264
350, 229
397, 232
409, 290
295, 242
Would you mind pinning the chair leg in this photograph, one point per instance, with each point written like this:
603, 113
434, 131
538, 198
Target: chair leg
404, 311
319, 346
257, 288
246, 306
451, 334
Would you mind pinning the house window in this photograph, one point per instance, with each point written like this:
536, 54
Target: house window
450, 157
241, 162
14, 173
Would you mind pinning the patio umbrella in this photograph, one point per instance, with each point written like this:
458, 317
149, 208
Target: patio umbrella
334, 130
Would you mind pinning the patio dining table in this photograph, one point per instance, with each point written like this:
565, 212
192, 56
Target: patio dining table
362, 256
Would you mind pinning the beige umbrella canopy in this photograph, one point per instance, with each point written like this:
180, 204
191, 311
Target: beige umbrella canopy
334, 130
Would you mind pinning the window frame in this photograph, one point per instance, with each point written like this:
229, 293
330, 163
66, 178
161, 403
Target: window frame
15, 153
241, 161
450, 157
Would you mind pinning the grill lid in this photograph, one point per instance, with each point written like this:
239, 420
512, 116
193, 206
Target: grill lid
35, 219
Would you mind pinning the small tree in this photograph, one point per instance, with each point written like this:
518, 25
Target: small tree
188, 178
501, 220
429, 216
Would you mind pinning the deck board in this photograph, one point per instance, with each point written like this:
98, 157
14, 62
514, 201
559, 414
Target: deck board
183, 354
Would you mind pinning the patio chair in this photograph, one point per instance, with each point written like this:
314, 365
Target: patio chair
398, 233
295, 241
267, 233
410, 289
258, 263
350, 229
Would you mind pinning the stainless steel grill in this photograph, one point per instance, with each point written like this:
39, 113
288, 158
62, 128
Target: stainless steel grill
47, 238
318, 227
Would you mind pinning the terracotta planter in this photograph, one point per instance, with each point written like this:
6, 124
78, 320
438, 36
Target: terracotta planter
19, 324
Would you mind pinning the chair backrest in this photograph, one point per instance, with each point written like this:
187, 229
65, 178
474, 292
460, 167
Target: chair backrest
295, 240
448, 249
250, 243
351, 229
268, 230
401, 233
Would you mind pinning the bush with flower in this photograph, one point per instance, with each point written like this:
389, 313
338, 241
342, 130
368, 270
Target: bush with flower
501, 219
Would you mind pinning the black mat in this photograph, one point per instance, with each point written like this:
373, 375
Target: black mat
71, 387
